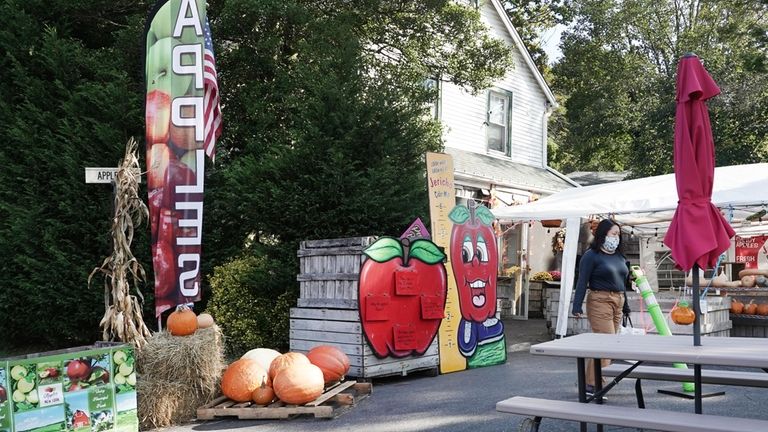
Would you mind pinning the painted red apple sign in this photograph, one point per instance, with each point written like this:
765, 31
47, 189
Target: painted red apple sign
402, 291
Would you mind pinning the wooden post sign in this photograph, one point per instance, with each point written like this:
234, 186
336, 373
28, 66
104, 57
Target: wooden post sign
103, 175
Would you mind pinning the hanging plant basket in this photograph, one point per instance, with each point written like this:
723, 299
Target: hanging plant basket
551, 223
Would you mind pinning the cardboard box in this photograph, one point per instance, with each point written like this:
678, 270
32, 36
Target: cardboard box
83, 389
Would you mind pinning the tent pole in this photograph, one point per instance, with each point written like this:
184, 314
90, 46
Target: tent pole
696, 306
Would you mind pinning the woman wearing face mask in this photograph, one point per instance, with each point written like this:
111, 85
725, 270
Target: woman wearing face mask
603, 269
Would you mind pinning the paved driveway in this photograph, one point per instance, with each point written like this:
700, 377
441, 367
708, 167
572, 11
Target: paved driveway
465, 401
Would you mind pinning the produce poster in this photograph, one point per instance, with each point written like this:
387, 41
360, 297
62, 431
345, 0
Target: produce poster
752, 251
442, 199
175, 129
92, 390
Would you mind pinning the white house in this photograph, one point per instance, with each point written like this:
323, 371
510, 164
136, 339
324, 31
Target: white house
498, 141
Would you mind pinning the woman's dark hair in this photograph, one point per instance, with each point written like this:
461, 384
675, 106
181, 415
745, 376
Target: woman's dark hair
601, 232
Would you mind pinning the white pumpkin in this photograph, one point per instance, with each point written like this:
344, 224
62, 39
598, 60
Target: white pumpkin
263, 356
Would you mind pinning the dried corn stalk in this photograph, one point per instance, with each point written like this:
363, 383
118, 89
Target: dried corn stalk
123, 320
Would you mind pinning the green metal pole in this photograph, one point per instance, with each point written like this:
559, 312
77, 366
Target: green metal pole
656, 314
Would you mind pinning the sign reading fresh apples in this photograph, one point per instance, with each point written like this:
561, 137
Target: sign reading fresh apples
175, 155
402, 292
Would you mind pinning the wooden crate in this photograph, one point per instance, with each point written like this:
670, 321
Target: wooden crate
329, 272
716, 322
332, 403
310, 327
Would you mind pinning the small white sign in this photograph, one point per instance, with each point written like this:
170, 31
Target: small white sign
50, 394
102, 175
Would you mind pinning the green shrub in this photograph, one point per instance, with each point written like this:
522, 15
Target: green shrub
250, 300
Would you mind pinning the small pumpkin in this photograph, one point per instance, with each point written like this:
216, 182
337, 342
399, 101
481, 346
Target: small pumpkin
682, 314
263, 395
299, 383
241, 378
737, 307
182, 321
204, 320
762, 309
750, 308
331, 360
262, 355
285, 360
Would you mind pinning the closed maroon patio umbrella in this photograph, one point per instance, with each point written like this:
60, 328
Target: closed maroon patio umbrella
698, 233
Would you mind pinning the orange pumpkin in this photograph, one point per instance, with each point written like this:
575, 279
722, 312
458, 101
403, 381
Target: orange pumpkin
682, 314
750, 308
762, 309
331, 360
262, 355
241, 378
263, 395
737, 307
299, 383
285, 360
182, 321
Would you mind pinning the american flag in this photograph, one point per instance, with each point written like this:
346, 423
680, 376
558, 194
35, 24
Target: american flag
211, 107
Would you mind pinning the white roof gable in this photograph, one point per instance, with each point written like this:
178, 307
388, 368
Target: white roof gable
524, 52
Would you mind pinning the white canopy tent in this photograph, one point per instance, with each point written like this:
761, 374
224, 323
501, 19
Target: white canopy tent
645, 206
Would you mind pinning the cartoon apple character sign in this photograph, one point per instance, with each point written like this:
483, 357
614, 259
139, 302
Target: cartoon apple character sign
402, 291
474, 261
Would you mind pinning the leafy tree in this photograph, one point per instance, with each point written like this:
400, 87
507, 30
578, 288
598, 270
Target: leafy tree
326, 126
530, 18
618, 77
69, 101
332, 118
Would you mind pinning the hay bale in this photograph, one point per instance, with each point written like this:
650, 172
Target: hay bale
177, 375
163, 403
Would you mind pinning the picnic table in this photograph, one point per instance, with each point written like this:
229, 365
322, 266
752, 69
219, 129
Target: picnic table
720, 351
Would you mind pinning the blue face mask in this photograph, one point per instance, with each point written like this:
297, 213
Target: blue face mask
611, 244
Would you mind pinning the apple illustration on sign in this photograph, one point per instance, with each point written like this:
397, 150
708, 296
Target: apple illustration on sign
402, 292
474, 260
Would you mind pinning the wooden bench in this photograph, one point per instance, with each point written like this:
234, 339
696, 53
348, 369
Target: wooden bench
665, 373
671, 421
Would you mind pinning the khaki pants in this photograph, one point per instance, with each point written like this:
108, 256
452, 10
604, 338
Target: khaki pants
604, 314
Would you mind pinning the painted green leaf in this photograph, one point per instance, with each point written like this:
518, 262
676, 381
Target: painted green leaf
459, 214
426, 252
485, 215
384, 249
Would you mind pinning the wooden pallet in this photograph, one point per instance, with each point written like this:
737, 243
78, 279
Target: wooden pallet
332, 403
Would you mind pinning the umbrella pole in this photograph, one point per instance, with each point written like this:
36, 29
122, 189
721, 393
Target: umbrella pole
696, 306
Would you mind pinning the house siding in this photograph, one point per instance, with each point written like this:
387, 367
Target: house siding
464, 114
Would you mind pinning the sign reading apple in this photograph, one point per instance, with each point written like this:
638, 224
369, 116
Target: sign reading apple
474, 260
402, 292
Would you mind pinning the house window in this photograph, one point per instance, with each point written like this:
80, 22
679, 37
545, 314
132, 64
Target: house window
497, 134
433, 85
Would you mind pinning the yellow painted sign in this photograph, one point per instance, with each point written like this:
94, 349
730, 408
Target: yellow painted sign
442, 199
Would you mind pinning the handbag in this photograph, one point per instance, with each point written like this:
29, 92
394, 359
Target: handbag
627, 328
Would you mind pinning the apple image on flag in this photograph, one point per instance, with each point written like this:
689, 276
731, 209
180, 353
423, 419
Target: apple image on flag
402, 292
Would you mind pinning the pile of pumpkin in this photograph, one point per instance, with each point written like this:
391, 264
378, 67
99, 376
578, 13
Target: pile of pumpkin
750, 308
184, 322
263, 375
